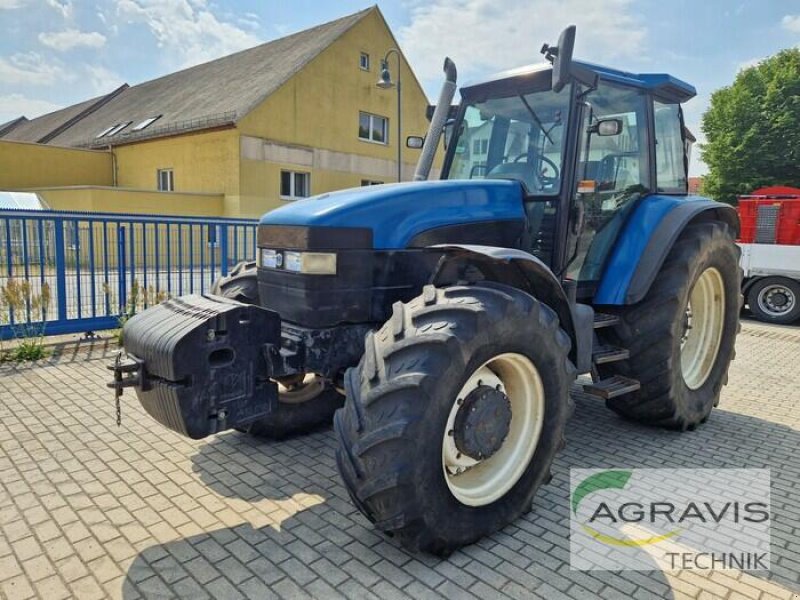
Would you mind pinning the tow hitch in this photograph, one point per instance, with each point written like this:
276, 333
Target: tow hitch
128, 372
198, 363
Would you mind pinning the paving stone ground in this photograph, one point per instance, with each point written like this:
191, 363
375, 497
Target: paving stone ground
89, 510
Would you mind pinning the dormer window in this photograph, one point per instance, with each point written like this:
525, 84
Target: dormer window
146, 123
113, 130
117, 128
104, 132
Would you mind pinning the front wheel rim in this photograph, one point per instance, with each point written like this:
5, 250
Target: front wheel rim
300, 389
481, 482
703, 328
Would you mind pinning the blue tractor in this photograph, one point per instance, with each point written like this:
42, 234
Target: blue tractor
442, 324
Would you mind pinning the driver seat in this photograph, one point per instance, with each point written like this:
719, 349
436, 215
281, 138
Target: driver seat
518, 171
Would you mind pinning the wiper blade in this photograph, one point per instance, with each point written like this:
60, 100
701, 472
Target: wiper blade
536, 119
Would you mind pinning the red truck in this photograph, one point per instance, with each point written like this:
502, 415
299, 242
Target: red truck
770, 243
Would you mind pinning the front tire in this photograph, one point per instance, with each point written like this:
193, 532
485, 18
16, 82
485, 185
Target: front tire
240, 284
305, 402
681, 336
454, 414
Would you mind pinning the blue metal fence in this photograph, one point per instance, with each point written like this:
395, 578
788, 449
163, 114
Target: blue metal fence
69, 272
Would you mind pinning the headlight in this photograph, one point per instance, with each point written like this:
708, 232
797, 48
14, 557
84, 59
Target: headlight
310, 263
271, 259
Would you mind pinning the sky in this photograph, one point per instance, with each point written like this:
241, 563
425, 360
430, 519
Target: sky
54, 53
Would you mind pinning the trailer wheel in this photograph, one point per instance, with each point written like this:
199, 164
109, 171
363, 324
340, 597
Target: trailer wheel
454, 414
681, 336
306, 401
775, 300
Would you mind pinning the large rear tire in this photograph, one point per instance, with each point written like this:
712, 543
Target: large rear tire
305, 402
681, 336
454, 414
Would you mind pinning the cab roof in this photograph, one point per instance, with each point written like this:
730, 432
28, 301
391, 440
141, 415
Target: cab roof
663, 85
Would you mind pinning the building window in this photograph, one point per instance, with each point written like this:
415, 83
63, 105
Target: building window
166, 180
365, 182
295, 185
372, 128
480, 146
363, 61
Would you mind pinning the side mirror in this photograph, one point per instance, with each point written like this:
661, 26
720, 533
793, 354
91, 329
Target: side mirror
562, 58
449, 130
564, 70
607, 127
415, 142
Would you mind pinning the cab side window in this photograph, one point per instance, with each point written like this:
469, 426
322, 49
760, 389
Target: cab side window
614, 162
670, 162
613, 172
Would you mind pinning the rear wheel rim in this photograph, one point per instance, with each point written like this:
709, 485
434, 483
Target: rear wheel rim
482, 482
705, 318
776, 300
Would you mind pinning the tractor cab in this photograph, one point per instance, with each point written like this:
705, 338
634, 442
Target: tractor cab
585, 142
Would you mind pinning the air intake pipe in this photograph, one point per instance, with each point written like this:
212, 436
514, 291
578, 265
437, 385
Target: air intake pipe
437, 122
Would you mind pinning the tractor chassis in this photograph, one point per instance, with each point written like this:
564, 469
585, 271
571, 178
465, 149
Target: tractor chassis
327, 351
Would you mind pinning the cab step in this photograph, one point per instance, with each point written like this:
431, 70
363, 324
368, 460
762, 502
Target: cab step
605, 320
612, 387
607, 353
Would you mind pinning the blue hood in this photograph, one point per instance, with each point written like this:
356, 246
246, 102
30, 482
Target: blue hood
397, 212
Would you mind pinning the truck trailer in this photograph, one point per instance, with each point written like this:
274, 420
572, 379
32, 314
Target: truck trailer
770, 243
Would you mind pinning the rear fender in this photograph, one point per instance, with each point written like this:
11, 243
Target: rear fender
647, 238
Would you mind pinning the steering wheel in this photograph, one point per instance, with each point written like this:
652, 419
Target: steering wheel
546, 180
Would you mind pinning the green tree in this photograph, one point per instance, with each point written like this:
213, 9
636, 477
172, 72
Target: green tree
753, 129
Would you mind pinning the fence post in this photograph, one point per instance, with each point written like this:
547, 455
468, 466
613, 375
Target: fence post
61, 270
223, 249
9, 263
123, 294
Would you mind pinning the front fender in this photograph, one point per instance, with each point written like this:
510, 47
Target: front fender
647, 238
519, 269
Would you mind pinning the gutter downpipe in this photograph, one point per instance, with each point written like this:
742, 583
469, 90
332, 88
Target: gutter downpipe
113, 166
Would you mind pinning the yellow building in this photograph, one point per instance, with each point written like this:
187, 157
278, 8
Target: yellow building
235, 137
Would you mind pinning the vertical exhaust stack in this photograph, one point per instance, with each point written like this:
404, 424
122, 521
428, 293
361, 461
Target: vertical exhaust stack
437, 122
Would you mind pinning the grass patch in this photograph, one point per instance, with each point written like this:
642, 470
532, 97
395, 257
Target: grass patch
17, 297
25, 351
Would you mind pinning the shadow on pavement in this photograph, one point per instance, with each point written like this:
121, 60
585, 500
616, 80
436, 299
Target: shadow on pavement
70, 351
301, 531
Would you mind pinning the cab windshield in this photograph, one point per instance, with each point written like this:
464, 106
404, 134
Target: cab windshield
517, 137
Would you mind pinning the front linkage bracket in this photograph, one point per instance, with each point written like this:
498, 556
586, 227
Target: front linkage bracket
128, 372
